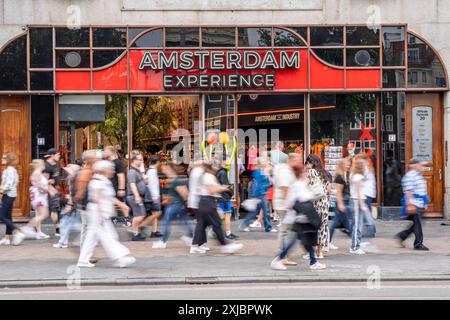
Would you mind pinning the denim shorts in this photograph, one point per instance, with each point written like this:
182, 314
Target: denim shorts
226, 206
138, 210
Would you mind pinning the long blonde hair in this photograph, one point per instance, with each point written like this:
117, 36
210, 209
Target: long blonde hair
35, 163
341, 167
359, 167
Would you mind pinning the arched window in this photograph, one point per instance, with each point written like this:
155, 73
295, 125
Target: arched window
13, 65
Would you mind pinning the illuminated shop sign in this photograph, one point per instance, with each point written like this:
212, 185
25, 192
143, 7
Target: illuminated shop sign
252, 68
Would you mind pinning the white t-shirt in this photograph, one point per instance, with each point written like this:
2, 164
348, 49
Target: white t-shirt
194, 187
354, 179
283, 176
153, 184
298, 191
106, 191
208, 180
369, 184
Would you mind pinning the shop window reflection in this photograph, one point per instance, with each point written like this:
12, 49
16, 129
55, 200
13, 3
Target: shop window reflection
393, 146
424, 68
13, 66
393, 46
255, 37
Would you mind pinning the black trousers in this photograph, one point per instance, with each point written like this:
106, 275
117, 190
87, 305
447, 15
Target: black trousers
415, 228
207, 216
6, 213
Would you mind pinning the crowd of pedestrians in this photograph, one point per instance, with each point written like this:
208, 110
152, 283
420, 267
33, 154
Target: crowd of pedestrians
295, 196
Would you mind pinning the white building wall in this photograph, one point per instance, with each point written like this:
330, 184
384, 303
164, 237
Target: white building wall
430, 19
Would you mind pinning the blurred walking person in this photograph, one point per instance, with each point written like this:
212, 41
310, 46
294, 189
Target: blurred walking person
70, 216
154, 192
207, 215
225, 197
415, 201
194, 185
370, 192
39, 195
8, 194
358, 203
261, 186
177, 193
52, 169
304, 218
342, 208
283, 178
100, 210
320, 184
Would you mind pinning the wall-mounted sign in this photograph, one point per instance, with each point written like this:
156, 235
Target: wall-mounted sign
278, 117
41, 141
422, 131
392, 138
249, 69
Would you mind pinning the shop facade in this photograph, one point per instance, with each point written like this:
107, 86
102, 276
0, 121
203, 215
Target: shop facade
380, 88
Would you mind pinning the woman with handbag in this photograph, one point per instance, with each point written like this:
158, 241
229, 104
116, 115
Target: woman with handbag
304, 218
320, 184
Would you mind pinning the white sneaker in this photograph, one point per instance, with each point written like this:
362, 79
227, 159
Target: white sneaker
276, 264
5, 242
187, 240
306, 256
159, 245
273, 230
18, 238
204, 247
29, 232
197, 249
333, 247
246, 229
317, 266
85, 265
256, 224
232, 247
43, 235
124, 262
359, 251
59, 245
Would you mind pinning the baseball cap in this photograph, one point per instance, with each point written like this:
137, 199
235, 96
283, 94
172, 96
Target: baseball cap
416, 161
51, 152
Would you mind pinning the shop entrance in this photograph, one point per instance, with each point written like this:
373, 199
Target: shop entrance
160, 122
15, 137
424, 141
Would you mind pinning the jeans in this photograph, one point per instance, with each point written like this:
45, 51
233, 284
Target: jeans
415, 228
264, 204
358, 219
171, 211
69, 223
369, 220
341, 219
284, 251
6, 213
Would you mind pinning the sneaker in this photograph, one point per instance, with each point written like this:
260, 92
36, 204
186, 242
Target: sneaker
358, 251
156, 234
197, 249
400, 240
187, 240
256, 224
124, 262
57, 235
129, 230
273, 231
306, 256
17, 238
29, 232
59, 245
43, 235
85, 265
229, 237
245, 229
138, 237
317, 266
5, 242
232, 236
277, 264
204, 247
159, 245
288, 262
421, 248
232, 247
333, 247
276, 218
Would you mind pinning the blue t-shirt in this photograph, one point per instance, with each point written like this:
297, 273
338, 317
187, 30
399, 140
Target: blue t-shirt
261, 184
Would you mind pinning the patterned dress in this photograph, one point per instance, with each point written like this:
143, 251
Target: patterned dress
322, 205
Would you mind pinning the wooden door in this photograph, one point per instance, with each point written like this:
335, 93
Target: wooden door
423, 116
15, 137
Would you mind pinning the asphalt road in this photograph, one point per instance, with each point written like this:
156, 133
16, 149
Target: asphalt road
310, 290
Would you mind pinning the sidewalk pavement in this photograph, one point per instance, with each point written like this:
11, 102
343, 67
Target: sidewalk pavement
37, 263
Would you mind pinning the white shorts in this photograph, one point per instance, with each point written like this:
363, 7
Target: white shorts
38, 198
